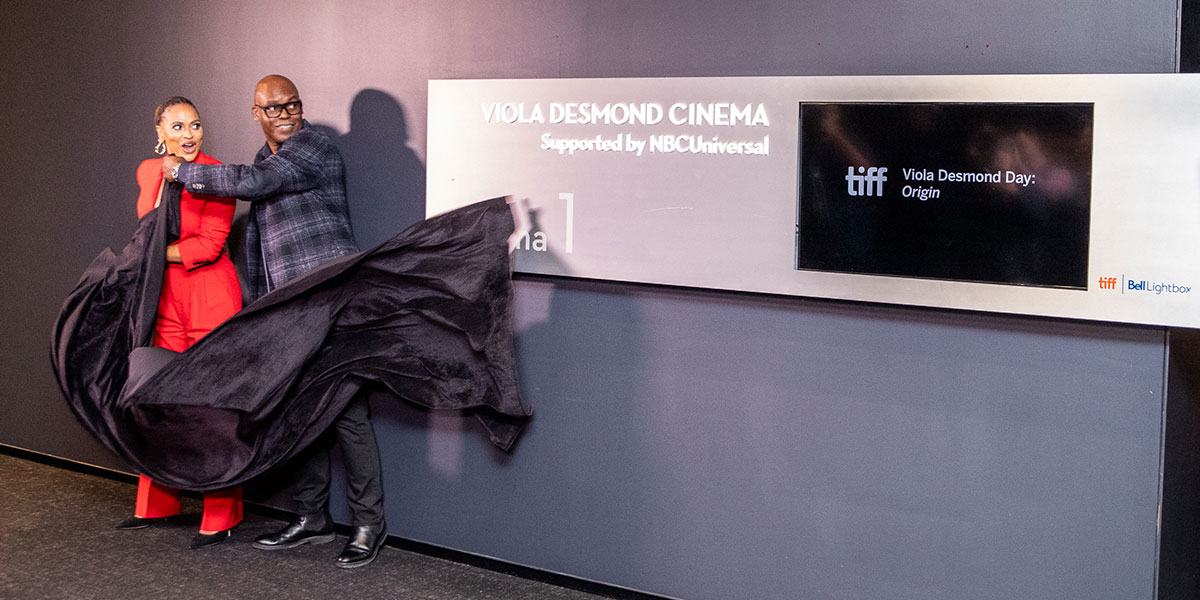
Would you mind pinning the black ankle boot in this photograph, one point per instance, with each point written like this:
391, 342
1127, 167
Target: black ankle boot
305, 529
363, 546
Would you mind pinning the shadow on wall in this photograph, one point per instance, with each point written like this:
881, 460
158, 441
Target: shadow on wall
385, 181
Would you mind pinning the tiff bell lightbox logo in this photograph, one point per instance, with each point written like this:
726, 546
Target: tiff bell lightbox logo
868, 182
1143, 285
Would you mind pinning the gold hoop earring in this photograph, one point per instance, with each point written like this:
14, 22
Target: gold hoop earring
161, 148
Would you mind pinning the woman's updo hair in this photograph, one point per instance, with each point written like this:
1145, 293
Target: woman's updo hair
168, 103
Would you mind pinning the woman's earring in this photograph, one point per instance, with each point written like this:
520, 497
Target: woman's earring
161, 148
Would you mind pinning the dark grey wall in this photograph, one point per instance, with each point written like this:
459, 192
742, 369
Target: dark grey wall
690, 444
714, 447
1189, 37
1179, 547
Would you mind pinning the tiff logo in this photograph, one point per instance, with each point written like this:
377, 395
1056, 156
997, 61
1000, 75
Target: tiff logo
870, 184
1108, 283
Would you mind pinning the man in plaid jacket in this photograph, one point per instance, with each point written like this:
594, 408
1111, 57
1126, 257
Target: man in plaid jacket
300, 219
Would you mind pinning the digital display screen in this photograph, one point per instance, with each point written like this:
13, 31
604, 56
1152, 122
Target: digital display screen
980, 192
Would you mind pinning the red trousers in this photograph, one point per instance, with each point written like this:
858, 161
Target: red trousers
222, 510
192, 304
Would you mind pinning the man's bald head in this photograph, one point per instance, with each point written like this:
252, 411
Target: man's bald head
271, 82
278, 109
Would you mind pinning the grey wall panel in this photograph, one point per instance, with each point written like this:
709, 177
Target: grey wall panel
685, 443
709, 447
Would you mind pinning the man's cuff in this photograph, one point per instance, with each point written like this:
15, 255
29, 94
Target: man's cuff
187, 174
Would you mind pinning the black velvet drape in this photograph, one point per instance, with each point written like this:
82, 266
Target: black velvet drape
425, 315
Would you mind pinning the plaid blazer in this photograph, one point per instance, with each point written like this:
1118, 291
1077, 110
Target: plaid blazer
299, 217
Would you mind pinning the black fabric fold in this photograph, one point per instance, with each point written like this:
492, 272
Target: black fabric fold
426, 316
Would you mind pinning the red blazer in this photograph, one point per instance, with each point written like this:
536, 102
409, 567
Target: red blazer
203, 220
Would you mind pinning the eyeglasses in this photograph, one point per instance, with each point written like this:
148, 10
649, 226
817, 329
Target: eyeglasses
276, 110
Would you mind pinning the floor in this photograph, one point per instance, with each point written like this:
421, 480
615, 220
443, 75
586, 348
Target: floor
57, 540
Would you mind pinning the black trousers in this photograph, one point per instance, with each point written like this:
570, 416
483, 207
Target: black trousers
360, 455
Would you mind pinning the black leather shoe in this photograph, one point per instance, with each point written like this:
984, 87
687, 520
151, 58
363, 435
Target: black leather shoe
364, 546
201, 540
139, 522
305, 529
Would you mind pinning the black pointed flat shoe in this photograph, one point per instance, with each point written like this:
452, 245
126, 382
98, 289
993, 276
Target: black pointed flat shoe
201, 540
139, 522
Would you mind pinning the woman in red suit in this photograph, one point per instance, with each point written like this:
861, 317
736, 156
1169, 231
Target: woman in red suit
200, 290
